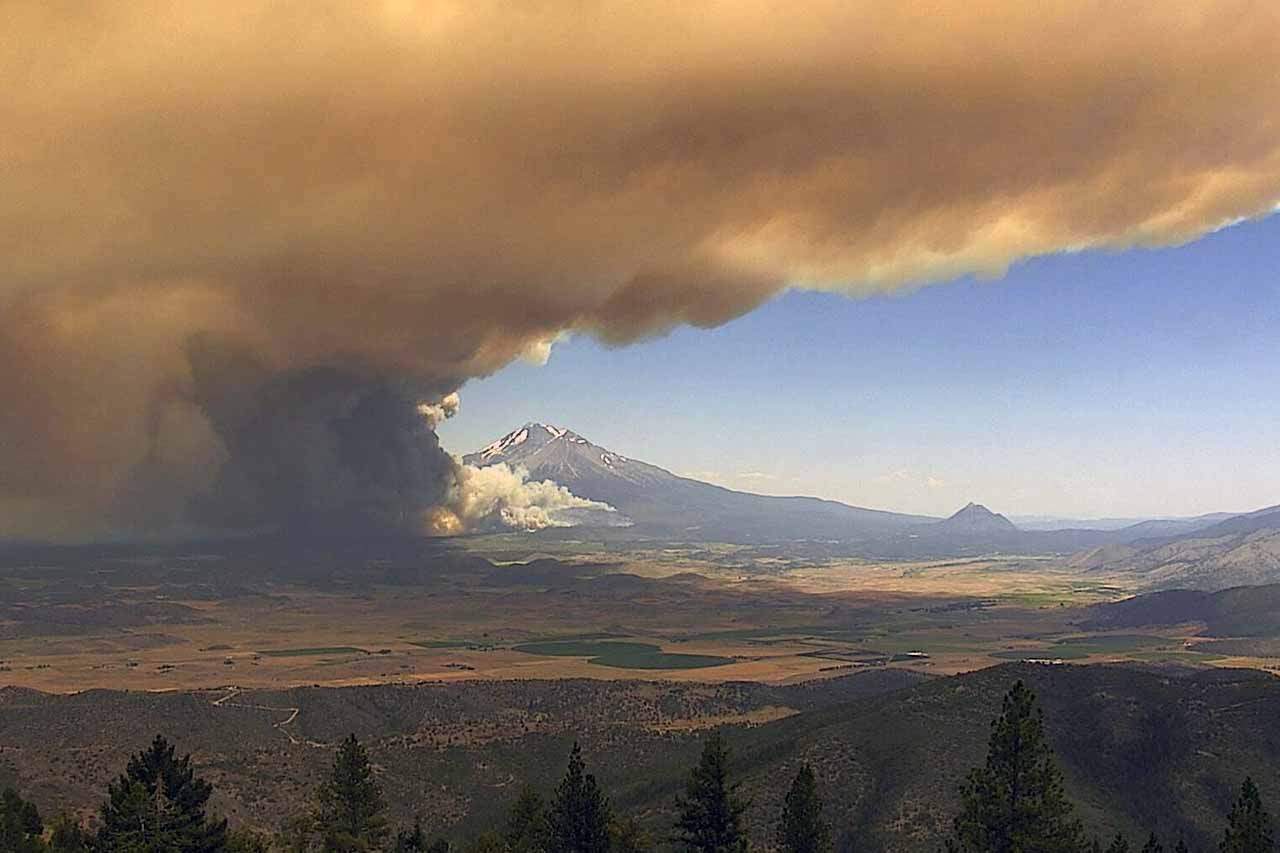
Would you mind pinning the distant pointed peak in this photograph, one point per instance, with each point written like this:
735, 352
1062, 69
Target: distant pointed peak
975, 515
534, 432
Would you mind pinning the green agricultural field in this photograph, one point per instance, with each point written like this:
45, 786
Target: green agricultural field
622, 655
1134, 646
1101, 643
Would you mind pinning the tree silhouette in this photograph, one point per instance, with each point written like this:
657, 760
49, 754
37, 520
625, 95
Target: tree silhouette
579, 817
349, 811
527, 823
20, 824
158, 806
1248, 825
1016, 802
710, 812
801, 828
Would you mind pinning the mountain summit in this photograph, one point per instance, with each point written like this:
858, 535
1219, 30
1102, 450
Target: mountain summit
665, 506
560, 454
976, 518
661, 503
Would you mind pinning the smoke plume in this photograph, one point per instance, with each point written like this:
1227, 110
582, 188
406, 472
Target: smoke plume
501, 494
245, 241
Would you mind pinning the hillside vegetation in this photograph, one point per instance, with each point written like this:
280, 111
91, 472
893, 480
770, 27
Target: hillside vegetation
1140, 749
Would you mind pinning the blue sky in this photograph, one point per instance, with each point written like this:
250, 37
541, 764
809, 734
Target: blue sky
1138, 383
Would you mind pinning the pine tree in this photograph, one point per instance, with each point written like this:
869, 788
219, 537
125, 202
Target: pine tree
410, 840
1153, 845
1248, 825
349, 807
578, 820
1181, 846
66, 835
296, 834
20, 824
1119, 844
414, 840
527, 823
158, 806
801, 828
710, 813
1016, 803
627, 836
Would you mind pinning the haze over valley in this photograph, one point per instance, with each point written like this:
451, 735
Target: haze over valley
639, 427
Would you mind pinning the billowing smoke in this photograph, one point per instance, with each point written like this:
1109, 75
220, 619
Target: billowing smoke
442, 410
244, 241
500, 494
324, 451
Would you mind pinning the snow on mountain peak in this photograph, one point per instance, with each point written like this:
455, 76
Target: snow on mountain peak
505, 443
539, 433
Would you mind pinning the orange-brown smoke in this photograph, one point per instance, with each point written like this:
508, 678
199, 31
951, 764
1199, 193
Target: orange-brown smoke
415, 193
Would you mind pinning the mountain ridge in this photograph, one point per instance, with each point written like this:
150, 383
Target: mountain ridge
662, 504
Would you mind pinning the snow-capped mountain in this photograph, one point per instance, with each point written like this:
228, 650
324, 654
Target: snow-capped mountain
559, 454
662, 503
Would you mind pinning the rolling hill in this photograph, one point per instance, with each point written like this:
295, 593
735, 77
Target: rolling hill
1141, 749
1248, 611
1238, 551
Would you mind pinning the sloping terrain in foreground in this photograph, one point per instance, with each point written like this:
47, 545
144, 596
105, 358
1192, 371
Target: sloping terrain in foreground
1141, 748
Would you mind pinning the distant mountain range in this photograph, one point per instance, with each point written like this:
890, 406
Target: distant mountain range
1242, 549
663, 505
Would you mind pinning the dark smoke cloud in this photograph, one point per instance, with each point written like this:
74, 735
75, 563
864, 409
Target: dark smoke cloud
316, 449
372, 202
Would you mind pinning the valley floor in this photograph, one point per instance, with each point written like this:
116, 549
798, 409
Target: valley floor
186, 620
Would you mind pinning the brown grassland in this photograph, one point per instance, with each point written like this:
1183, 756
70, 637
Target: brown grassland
680, 613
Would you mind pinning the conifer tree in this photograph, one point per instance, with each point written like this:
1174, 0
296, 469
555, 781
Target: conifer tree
1119, 844
412, 840
710, 812
20, 824
296, 834
1248, 825
579, 817
527, 823
802, 828
627, 836
158, 806
66, 835
1016, 802
1153, 845
1181, 846
349, 812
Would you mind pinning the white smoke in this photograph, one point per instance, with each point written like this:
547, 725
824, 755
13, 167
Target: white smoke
500, 494
438, 412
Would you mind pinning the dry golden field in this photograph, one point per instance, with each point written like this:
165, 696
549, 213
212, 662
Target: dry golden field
715, 614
